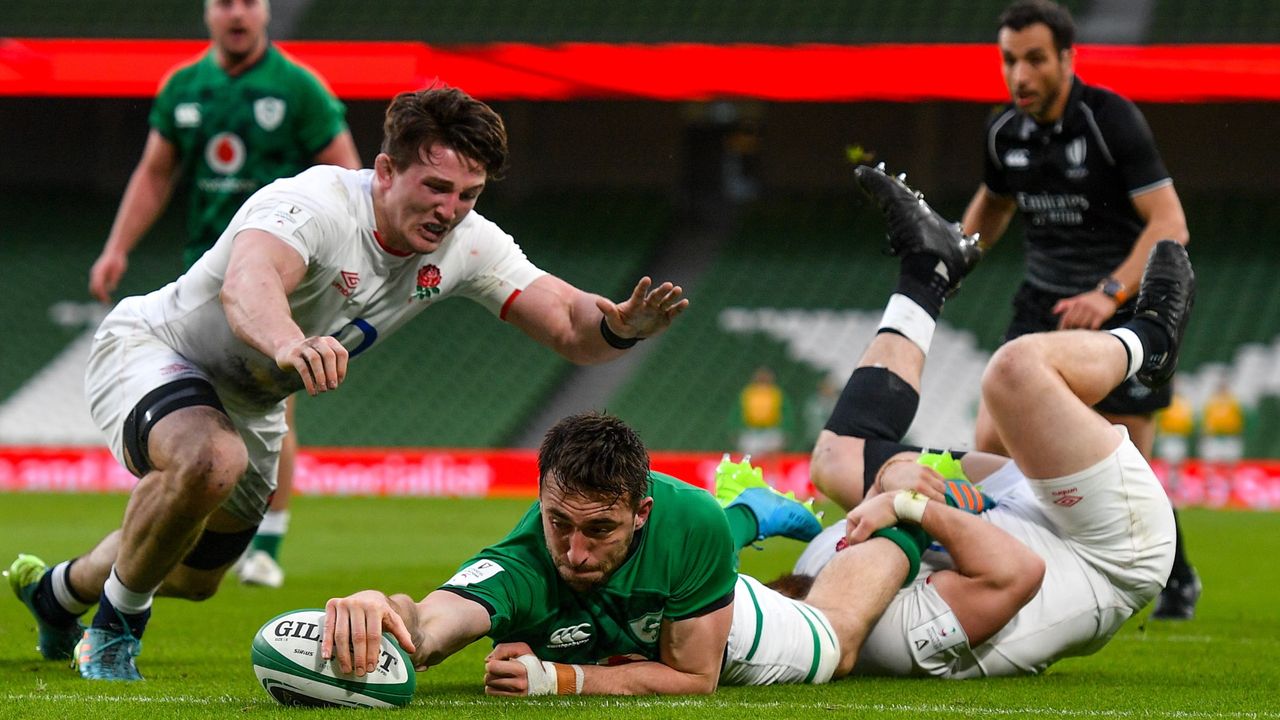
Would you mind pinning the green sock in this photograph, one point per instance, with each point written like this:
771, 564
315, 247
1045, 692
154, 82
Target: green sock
270, 544
742, 525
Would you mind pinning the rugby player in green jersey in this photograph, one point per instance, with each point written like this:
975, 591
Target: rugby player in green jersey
619, 580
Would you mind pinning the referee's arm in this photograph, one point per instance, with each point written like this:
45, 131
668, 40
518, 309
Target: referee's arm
1161, 210
988, 215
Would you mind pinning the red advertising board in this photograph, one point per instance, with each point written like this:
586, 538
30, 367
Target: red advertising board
514, 473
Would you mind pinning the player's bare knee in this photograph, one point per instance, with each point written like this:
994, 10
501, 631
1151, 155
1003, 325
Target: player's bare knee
836, 471
208, 469
1011, 371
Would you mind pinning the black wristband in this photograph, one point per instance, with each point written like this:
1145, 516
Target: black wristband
614, 339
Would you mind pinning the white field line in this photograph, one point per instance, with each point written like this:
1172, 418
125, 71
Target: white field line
715, 703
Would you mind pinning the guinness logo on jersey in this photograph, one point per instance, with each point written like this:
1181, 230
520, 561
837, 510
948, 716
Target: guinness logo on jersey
269, 112
225, 153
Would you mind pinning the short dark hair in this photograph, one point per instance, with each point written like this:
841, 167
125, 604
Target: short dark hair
1024, 13
597, 456
416, 120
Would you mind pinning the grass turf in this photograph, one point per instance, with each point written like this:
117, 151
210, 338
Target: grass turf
1224, 664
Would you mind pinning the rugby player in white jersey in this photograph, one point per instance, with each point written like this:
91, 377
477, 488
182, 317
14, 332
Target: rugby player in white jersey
1081, 538
189, 383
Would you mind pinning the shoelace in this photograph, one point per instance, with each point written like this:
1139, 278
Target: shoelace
109, 653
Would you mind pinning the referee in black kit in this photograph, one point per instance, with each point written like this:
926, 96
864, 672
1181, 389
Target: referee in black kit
1081, 166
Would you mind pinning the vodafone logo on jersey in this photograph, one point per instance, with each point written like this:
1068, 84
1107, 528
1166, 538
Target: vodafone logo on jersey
225, 153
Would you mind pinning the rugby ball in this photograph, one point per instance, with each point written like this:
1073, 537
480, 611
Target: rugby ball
286, 659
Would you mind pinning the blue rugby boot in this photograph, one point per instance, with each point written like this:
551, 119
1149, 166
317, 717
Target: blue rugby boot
776, 513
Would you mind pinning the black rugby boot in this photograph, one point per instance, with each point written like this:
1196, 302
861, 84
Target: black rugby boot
916, 228
1165, 298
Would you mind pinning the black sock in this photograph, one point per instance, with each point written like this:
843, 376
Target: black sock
108, 618
1181, 570
1152, 335
47, 605
920, 281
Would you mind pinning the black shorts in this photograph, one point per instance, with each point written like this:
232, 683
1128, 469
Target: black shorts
1033, 312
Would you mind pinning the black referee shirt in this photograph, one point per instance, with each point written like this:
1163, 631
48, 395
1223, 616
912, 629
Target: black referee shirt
1074, 182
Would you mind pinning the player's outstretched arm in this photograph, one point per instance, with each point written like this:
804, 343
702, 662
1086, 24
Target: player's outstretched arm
430, 631
586, 328
263, 270
691, 650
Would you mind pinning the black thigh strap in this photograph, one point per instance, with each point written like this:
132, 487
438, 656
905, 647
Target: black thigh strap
156, 404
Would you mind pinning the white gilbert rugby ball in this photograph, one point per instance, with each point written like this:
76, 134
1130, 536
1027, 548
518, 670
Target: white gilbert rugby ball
286, 659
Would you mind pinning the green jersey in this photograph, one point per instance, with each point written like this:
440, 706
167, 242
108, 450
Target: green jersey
236, 134
681, 565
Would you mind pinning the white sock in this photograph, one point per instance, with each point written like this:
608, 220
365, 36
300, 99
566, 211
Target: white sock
122, 598
62, 590
1134, 347
275, 522
904, 316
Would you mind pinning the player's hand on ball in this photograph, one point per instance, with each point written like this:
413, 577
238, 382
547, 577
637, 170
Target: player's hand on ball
321, 362
647, 312
503, 674
353, 628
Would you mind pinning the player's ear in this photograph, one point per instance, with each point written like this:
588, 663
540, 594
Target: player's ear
1068, 58
642, 513
382, 167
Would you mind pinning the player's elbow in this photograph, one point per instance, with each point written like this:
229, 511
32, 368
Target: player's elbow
1027, 576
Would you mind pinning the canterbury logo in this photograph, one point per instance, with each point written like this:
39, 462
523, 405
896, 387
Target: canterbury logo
570, 636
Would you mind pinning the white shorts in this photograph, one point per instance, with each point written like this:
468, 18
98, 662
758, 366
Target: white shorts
776, 640
1106, 535
125, 366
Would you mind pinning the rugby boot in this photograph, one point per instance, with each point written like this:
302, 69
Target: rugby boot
1165, 298
55, 641
105, 654
1178, 599
776, 513
915, 227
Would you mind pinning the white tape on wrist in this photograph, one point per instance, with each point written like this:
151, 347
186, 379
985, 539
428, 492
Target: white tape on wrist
548, 678
542, 675
909, 505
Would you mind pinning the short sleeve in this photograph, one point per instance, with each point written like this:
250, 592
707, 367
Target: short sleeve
500, 583
499, 267
993, 175
161, 117
322, 117
707, 552
1132, 146
300, 226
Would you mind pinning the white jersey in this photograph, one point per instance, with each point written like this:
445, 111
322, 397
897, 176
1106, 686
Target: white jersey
354, 288
1106, 536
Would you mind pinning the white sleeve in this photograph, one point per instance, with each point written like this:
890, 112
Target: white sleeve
501, 269
295, 224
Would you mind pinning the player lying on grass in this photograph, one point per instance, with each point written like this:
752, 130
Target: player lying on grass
613, 564
189, 383
1083, 533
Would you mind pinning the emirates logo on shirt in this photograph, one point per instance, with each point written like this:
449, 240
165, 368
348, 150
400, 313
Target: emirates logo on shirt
225, 153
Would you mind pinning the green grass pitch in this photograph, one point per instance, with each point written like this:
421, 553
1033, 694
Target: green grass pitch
1224, 664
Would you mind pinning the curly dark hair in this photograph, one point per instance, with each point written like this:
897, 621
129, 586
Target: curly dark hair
416, 120
1029, 12
596, 456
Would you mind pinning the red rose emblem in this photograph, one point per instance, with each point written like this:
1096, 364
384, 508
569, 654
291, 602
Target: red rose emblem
428, 276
